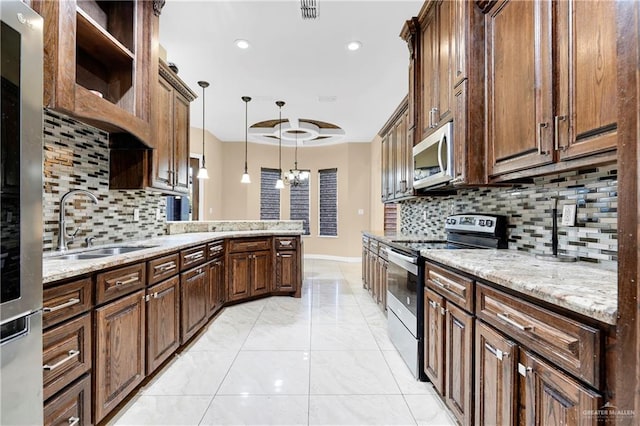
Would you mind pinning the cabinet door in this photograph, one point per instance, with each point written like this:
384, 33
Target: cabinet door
519, 85
261, 272
586, 66
215, 286
193, 286
120, 351
434, 339
458, 370
181, 143
384, 169
72, 406
163, 322
400, 137
286, 270
445, 65
239, 275
428, 59
553, 398
495, 378
385, 266
163, 135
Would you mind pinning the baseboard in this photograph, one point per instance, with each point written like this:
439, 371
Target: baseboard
336, 258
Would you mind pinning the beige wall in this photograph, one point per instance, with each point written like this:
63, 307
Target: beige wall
227, 199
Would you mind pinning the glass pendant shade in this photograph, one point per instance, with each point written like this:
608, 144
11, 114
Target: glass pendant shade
279, 184
202, 173
245, 178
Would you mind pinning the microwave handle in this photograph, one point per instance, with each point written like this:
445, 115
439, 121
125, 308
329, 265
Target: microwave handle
443, 139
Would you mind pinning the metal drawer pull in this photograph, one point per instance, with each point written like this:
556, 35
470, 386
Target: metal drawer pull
505, 317
73, 421
194, 256
496, 352
433, 304
437, 281
165, 266
71, 302
285, 243
129, 281
72, 354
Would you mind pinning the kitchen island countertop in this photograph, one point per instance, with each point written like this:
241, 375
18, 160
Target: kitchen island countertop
57, 269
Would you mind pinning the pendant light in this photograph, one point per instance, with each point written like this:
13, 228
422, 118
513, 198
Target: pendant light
202, 173
245, 176
279, 182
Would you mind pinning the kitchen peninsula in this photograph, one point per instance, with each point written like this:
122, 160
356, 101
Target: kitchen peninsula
148, 300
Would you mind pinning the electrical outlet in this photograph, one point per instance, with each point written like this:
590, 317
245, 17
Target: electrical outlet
569, 215
158, 214
360, 212
424, 215
136, 215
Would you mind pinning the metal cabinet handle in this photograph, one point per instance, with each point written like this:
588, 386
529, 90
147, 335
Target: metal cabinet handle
556, 124
540, 127
505, 317
433, 304
436, 117
73, 421
496, 352
71, 302
437, 281
443, 311
285, 242
129, 281
194, 256
168, 266
72, 354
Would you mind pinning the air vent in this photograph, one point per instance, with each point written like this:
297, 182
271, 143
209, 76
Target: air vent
309, 9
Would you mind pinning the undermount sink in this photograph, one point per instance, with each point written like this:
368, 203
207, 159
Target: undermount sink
98, 253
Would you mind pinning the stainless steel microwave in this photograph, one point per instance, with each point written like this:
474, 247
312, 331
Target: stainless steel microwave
433, 159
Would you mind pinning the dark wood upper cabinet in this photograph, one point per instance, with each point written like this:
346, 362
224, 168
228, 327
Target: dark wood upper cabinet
551, 95
98, 57
397, 155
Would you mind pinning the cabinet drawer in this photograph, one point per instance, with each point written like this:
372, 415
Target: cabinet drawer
241, 245
162, 267
571, 345
192, 257
215, 249
66, 354
65, 301
71, 407
454, 287
113, 284
286, 243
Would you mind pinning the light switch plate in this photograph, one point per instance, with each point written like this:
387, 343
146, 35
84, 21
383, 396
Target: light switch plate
569, 215
136, 215
360, 212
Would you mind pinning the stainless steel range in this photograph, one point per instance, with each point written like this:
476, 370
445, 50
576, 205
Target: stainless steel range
405, 278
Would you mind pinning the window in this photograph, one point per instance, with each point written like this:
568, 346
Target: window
299, 198
269, 195
328, 181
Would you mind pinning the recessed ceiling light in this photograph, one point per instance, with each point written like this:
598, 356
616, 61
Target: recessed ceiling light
242, 44
354, 45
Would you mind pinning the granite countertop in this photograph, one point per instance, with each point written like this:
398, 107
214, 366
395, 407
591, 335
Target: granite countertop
58, 269
389, 237
579, 287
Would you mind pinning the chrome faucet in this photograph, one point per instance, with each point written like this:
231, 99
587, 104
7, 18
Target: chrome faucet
63, 237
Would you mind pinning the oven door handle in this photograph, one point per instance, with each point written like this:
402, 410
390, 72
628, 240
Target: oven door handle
407, 263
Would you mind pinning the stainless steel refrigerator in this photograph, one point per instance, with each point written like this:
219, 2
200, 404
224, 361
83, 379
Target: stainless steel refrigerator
21, 216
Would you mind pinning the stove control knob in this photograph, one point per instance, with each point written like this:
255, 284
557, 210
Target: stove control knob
489, 222
481, 222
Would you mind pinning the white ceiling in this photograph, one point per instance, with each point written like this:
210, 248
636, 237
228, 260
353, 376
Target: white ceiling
290, 59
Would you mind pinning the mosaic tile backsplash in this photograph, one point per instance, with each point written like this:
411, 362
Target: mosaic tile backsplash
76, 156
529, 208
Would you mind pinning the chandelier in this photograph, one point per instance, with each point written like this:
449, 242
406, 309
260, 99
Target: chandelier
296, 176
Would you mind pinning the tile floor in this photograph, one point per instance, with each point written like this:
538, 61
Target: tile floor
324, 359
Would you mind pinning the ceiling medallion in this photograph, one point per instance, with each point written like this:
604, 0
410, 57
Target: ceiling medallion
301, 131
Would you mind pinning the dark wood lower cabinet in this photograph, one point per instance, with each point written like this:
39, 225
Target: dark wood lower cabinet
434, 338
71, 407
216, 286
261, 273
458, 363
194, 314
163, 321
552, 397
250, 274
120, 351
496, 391
286, 270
